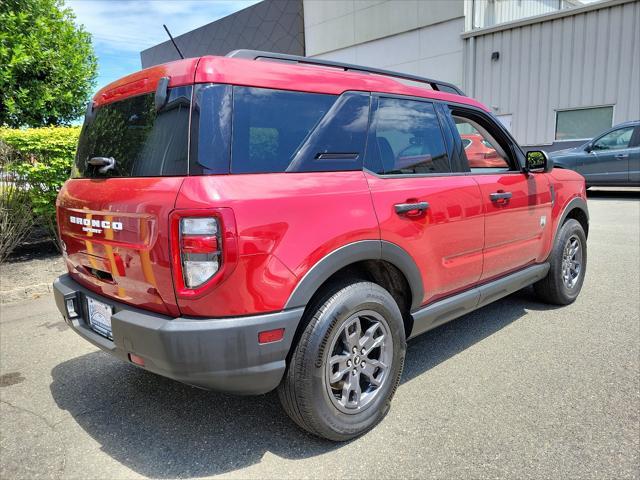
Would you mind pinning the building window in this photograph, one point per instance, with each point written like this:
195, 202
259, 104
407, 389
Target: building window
583, 123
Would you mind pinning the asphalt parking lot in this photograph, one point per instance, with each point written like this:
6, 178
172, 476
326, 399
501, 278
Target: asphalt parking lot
518, 389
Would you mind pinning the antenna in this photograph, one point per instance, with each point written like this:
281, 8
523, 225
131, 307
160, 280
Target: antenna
173, 41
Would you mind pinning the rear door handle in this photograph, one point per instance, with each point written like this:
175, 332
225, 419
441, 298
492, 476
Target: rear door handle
498, 196
409, 208
622, 155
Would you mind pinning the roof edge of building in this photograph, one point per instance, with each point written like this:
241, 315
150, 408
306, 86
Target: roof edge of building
545, 17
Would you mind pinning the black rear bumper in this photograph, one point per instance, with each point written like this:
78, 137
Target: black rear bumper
217, 354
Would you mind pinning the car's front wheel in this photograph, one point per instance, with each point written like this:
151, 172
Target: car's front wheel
347, 364
568, 264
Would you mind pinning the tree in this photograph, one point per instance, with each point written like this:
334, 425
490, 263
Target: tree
47, 64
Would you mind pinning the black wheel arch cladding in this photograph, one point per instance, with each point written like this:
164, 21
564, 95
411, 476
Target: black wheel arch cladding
353, 253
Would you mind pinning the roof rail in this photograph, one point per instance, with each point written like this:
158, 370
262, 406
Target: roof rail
257, 55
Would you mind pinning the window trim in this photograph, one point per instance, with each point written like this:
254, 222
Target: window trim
560, 110
635, 138
515, 153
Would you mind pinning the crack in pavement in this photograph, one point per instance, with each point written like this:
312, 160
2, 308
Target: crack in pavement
31, 412
51, 426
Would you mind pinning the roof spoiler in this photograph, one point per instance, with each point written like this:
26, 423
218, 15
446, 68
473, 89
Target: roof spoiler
283, 57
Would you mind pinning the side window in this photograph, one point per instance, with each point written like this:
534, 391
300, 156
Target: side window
211, 129
616, 140
480, 146
269, 126
406, 139
338, 141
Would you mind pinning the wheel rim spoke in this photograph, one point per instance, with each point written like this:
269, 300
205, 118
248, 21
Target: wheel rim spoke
369, 342
339, 367
374, 370
352, 333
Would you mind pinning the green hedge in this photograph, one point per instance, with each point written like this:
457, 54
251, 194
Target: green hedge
45, 157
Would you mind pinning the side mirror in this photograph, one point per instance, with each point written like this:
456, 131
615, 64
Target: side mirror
588, 148
538, 162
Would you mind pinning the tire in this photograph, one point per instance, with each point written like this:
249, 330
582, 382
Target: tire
314, 393
556, 288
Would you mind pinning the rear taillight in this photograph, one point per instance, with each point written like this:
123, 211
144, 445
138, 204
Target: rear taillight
199, 241
204, 249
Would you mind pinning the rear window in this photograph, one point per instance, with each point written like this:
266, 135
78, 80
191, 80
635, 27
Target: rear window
142, 141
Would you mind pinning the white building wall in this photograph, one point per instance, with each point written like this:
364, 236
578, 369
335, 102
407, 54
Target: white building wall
331, 25
412, 36
433, 51
584, 58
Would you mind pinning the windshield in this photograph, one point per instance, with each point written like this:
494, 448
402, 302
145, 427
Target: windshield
142, 142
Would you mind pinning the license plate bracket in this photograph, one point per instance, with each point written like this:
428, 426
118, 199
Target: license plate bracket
100, 317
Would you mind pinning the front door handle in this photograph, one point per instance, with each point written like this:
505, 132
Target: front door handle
622, 155
499, 196
411, 209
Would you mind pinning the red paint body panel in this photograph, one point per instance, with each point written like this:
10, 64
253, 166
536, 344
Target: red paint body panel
568, 185
307, 78
284, 76
137, 257
446, 241
286, 222
180, 73
514, 232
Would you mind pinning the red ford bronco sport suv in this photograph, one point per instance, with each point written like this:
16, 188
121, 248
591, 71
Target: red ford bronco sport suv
262, 221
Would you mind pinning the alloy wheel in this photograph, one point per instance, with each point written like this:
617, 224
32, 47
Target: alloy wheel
359, 361
571, 262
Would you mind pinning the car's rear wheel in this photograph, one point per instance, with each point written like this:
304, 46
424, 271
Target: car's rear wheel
568, 263
347, 364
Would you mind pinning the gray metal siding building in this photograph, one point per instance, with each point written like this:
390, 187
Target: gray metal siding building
574, 59
555, 72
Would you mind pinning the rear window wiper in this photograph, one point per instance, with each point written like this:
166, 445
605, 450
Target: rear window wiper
106, 163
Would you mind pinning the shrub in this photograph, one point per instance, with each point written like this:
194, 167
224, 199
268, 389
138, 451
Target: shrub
16, 217
45, 158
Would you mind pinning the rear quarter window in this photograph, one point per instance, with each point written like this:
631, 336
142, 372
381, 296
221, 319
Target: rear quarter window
269, 126
286, 131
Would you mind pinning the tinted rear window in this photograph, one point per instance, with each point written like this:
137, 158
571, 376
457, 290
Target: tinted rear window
269, 126
144, 142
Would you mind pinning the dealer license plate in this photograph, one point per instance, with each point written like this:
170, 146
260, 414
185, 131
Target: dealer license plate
100, 317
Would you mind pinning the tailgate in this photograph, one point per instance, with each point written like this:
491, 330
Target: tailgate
115, 236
